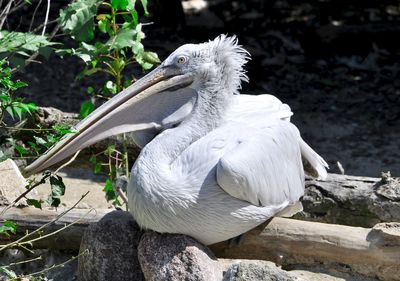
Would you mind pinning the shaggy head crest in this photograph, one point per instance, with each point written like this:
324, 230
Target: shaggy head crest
229, 58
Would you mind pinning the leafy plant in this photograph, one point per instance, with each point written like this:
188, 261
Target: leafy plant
110, 37
14, 106
7, 227
18, 46
38, 140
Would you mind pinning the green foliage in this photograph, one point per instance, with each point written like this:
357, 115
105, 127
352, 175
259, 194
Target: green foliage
8, 227
86, 108
78, 19
57, 190
109, 36
17, 46
14, 106
123, 47
8, 272
35, 203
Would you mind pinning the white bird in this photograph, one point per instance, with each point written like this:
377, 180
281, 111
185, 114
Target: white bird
214, 163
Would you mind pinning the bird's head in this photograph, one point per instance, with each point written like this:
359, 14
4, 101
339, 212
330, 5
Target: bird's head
163, 97
219, 61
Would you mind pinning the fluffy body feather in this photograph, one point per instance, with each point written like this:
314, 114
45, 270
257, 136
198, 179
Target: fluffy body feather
232, 163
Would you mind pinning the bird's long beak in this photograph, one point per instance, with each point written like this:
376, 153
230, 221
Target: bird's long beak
118, 115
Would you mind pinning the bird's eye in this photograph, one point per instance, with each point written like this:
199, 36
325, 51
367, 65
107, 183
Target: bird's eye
181, 60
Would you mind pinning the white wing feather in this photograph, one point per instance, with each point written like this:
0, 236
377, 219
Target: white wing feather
256, 155
264, 167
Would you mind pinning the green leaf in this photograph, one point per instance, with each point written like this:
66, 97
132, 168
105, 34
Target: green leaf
57, 190
108, 189
140, 34
35, 203
8, 226
19, 84
34, 147
51, 139
10, 111
93, 160
88, 72
32, 106
111, 87
108, 186
26, 107
78, 19
52, 201
144, 64
87, 107
137, 48
63, 130
151, 57
18, 111
103, 16
90, 90
21, 150
86, 52
119, 4
124, 38
103, 24
131, 5
22, 43
39, 140
110, 149
10, 274
97, 168
57, 186
144, 4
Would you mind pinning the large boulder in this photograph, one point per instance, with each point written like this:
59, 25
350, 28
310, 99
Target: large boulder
109, 249
173, 257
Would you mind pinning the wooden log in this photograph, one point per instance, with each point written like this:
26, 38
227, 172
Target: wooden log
351, 200
29, 219
372, 252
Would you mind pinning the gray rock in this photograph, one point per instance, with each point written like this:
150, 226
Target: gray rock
12, 184
257, 271
172, 257
111, 246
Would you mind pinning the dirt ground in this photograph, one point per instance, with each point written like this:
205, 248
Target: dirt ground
336, 64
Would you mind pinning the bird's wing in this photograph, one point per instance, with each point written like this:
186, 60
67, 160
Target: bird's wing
261, 165
257, 155
264, 166
257, 108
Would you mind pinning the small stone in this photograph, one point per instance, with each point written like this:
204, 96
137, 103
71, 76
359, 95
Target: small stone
172, 257
257, 270
12, 184
386, 233
111, 246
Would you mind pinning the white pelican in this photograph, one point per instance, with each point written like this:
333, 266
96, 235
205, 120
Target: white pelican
214, 163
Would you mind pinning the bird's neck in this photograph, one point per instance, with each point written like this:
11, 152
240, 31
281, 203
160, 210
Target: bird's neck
208, 114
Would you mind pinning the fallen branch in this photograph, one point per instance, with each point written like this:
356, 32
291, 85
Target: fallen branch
30, 219
351, 200
373, 252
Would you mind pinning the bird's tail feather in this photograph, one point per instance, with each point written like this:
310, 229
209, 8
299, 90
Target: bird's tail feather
314, 165
290, 210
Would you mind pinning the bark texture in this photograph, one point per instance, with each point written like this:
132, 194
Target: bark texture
351, 200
